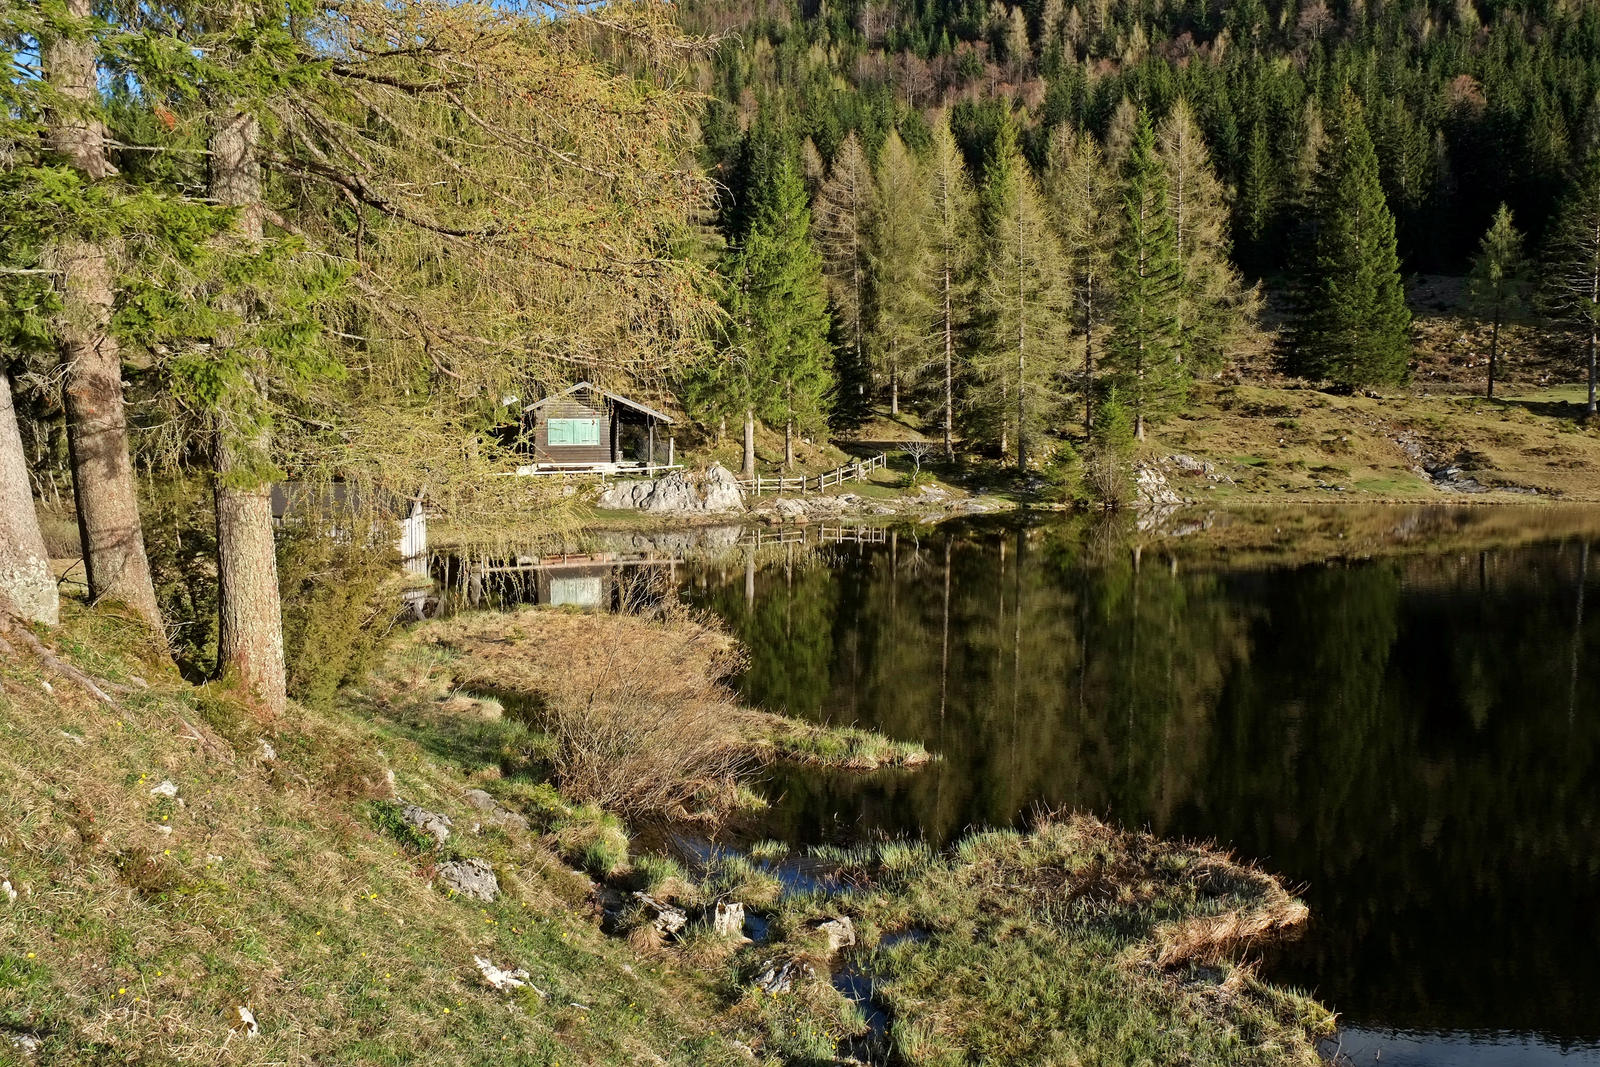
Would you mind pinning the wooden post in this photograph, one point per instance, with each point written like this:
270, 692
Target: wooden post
651, 461
671, 444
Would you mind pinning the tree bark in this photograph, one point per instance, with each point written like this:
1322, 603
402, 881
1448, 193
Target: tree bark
748, 470
97, 429
27, 584
1088, 359
1494, 350
250, 613
949, 369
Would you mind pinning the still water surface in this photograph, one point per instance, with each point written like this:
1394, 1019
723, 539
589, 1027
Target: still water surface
1414, 740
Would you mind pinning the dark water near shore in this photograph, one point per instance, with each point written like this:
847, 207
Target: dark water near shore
1414, 740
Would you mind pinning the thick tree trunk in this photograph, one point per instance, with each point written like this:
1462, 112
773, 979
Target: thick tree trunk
788, 444
27, 584
748, 469
97, 430
251, 632
894, 391
250, 613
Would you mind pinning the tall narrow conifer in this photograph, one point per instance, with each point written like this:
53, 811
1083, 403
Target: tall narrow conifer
1145, 354
1351, 322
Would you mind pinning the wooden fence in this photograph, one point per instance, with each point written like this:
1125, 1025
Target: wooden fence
853, 471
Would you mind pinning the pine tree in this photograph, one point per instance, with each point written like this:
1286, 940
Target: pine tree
1499, 283
1120, 134
842, 219
950, 229
1214, 306
1145, 353
1572, 277
899, 253
1081, 192
1026, 306
1351, 322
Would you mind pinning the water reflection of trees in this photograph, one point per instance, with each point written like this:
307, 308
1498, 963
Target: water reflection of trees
1416, 739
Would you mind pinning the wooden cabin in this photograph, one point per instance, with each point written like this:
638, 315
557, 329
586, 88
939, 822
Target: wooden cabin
586, 428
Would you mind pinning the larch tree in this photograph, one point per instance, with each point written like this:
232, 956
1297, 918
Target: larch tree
842, 220
899, 254
1025, 302
1214, 305
105, 494
1351, 324
949, 228
415, 235
1145, 354
1081, 193
1572, 274
1500, 283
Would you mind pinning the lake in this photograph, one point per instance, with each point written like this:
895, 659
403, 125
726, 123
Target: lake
1411, 739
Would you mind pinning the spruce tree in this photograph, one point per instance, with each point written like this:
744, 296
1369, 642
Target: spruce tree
1145, 354
778, 311
1499, 283
1081, 192
1351, 323
842, 218
898, 251
1572, 275
1214, 305
950, 229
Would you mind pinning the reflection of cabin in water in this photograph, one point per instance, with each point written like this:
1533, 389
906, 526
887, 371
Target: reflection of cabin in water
601, 581
586, 428
340, 509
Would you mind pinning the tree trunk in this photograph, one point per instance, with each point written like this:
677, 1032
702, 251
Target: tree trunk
1494, 350
894, 391
250, 613
1593, 340
788, 444
1088, 359
27, 584
949, 370
748, 470
97, 430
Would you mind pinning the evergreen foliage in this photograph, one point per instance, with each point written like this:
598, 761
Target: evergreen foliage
1351, 324
1500, 283
1572, 274
1145, 356
777, 304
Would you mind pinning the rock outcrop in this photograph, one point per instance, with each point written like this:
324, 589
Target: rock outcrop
713, 491
473, 879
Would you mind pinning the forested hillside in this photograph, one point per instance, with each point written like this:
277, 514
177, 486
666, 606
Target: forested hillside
1021, 211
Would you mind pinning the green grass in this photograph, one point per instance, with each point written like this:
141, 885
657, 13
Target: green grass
294, 888
1071, 944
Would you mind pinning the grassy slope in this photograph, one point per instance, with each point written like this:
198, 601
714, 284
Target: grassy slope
286, 885
1289, 442
275, 889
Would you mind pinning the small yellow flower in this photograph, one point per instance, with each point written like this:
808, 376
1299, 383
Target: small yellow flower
447, 1011
30, 955
121, 990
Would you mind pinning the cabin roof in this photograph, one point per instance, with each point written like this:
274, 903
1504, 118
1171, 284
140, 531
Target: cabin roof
591, 387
